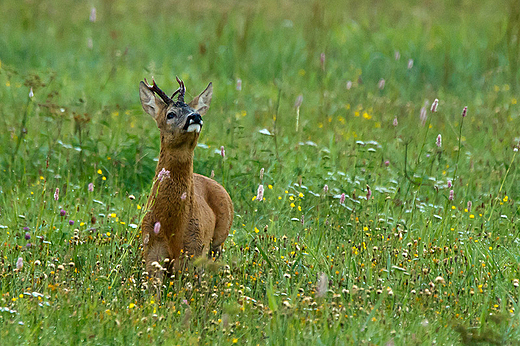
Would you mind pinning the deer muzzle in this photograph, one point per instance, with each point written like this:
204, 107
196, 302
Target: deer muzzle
193, 123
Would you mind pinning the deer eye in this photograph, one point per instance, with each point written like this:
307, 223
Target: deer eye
170, 115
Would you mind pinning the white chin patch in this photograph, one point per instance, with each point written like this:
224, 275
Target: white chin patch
194, 128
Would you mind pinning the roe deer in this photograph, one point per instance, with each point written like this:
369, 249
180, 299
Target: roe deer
187, 213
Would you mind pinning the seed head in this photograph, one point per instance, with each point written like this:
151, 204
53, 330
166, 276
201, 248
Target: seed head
410, 64
262, 173
369, 193
469, 206
222, 152
349, 85
439, 141
381, 84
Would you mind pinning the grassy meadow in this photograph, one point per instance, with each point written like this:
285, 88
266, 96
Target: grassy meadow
382, 222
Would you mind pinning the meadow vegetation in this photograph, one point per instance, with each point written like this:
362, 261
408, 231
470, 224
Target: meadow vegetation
372, 228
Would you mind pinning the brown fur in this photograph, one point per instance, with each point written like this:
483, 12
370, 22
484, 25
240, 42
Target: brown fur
198, 223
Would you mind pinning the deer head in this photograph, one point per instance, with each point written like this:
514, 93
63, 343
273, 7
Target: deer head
179, 122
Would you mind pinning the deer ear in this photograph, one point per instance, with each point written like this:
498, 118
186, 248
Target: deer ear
201, 102
151, 104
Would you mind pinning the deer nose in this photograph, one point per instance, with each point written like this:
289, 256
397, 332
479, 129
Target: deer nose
195, 118
193, 122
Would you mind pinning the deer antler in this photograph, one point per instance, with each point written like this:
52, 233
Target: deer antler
158, 91
181, 90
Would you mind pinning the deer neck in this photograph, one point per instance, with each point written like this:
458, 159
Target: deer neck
178, 187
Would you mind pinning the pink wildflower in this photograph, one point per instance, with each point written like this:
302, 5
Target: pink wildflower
349, 85
451, 195
439, 141
57, 194
92, 16
450, 184
239, 84
91, 187
464, 111
298, 101
163, 174
342, 198
424, 116
395, 123
222, 152
31, 93
381, 84
410, 64
260, 193
157, 227
369, 192
19, 263
325, 189
434, 106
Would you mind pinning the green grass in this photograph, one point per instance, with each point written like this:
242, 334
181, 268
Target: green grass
408, 265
